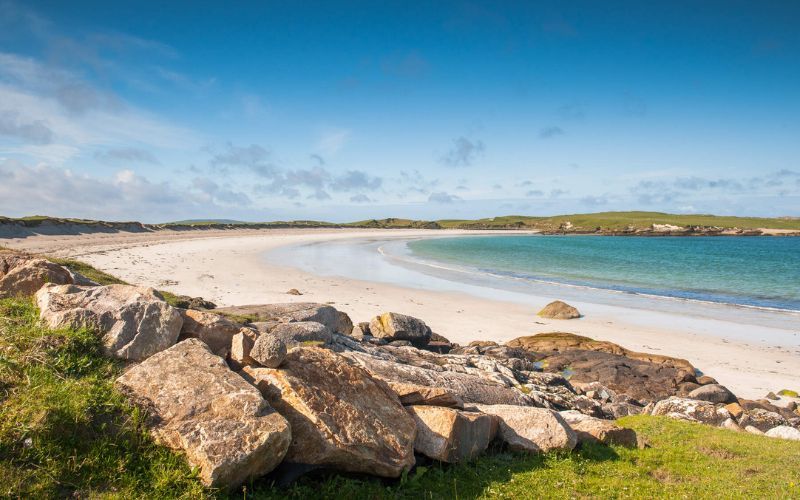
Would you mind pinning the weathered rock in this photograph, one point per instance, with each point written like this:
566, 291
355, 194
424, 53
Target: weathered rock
293, 291
713, 393
762, 420
335, 320
394, 326
470, 388
268, 351
531, 429
686, 388
198, 303
296, 333
213, 329
692, 410
735, 409
197, 405
559, 310
241, 345
753, 430
340, 416
135, 321
411, 394
561, 341
594, 430
784, 432
641, 380
435, 337
706, 380
766, 405
450, 435
618, 410
24, 275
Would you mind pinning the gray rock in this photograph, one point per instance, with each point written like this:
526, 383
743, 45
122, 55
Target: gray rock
294, 334
268, 351
134, 321
784, 432
336, 321
197, 405
692, 410
713, 393
595, 430
762, 420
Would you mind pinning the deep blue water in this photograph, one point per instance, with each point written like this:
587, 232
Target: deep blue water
751, 271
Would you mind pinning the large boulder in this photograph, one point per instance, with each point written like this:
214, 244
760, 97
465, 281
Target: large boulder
197, 405
469, 388
713, 393
340, 416
531, 429
692, 410
213, 329
784, 432
135, 321
559, 310
595, 430
335, 320
393, 326
450, 435
24, 275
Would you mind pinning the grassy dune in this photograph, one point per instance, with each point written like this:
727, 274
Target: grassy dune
65, 431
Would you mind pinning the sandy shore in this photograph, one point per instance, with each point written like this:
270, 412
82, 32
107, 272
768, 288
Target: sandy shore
230, 268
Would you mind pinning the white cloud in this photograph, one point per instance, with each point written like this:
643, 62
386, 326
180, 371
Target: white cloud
332, 141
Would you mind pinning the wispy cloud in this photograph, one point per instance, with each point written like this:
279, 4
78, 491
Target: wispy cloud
550, 132
123, 155
463, 152
443, 197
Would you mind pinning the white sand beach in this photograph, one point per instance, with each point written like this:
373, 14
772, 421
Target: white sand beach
231, 268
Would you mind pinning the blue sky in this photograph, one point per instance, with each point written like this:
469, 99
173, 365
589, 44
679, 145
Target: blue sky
353, 110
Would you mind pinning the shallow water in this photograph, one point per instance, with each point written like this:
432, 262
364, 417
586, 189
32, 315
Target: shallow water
760, 272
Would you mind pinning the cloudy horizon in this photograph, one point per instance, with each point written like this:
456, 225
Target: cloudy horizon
453, 110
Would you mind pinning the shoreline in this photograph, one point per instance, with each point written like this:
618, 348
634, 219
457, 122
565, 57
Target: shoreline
230, 268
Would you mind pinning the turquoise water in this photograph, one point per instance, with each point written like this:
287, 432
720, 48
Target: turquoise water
750, 271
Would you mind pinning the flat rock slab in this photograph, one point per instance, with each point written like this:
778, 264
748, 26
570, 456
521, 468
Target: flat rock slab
531, 429
411, 394
135, 321
450, 435
595, 430
469, 388
199, 406
336, 321
340, 416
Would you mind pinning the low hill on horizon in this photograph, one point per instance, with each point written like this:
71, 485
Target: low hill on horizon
631, 222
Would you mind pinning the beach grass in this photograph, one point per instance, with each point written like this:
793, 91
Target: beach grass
64, 431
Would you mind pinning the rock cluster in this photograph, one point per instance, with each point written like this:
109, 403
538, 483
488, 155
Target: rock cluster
243, 389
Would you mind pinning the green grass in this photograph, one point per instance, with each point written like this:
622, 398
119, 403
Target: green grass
90, 272
64, 430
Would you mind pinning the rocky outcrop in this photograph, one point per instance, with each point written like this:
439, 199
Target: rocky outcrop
197, 405
450, 435
336, 321
559, 310
531, 429
713, 393
213, 329
561, 341
762, 420
340, 416
24, 275
691, 410
393, 326
594, 430
135, 321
